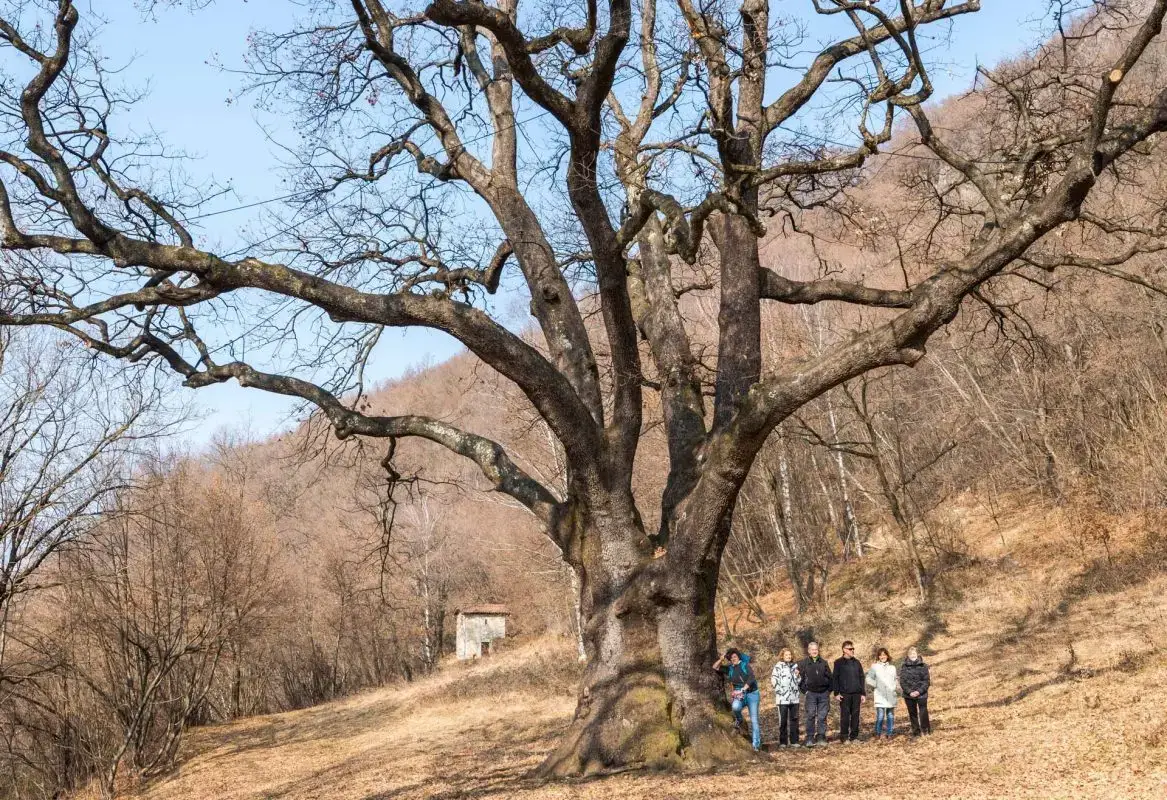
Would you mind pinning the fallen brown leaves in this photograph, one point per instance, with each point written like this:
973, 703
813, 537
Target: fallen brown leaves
1035, 697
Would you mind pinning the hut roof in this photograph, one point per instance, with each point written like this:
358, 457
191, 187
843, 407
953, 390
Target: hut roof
491, 609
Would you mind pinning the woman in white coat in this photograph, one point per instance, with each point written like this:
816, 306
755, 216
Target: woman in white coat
882, 676
784, 680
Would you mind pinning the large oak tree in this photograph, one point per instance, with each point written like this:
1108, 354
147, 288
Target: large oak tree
664, 139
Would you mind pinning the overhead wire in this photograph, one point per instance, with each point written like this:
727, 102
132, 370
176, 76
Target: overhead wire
518, 124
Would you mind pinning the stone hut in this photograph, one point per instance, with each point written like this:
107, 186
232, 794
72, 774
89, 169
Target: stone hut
478, 627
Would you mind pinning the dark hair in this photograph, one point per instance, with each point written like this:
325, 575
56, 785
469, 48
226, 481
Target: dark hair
847, 644
882, 652
733, 651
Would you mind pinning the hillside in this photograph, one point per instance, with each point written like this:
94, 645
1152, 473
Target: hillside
1046, 653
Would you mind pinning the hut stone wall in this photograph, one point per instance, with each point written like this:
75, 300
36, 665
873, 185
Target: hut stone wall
476, 630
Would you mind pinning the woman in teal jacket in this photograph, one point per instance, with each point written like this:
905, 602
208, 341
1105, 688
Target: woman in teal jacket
735, 667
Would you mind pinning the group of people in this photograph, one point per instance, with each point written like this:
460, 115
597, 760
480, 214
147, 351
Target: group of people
813, 680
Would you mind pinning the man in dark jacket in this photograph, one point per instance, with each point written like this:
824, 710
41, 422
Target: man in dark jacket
849, 684
914, 681
814, 678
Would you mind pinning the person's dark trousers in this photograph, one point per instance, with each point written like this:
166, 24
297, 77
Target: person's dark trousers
817, 705
788, 723
918, 714
849, 716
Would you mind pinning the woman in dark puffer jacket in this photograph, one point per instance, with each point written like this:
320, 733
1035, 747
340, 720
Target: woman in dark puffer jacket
914, 682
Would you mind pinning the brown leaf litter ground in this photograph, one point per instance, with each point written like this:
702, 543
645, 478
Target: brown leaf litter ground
1050, 681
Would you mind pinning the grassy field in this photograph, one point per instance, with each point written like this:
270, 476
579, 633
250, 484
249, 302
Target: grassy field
1050, 681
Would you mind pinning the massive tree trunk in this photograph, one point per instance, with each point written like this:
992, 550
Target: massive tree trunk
648, 696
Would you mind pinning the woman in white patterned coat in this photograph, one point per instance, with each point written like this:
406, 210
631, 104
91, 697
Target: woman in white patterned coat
784, 679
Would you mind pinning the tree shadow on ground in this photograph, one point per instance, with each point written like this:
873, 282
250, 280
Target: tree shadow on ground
1106, 575
479, 774
501, 762
311, 724
1068, 672
499, 783
934, 625
1102, 577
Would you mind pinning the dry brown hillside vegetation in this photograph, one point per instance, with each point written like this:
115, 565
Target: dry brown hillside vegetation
1047, 664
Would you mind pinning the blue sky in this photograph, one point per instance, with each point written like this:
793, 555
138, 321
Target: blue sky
177, 53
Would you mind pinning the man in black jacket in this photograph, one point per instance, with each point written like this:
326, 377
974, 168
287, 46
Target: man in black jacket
814, 678
914, 682
849, 685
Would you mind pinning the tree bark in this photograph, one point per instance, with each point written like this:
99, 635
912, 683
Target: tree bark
649, 696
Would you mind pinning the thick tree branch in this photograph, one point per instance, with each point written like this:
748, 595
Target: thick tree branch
490, 457
797, 96
777, 287
731, 450
500, 348
1104, 266
552, 302
518, 51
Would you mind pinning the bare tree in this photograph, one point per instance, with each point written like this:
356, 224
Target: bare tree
156, 600
419, 556
790, 522
670, 140
71, 432
897, 467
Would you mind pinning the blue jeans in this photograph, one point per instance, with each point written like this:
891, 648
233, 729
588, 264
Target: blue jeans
750, 700
885, 717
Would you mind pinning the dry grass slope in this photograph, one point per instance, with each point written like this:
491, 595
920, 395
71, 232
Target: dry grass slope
1049, 683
